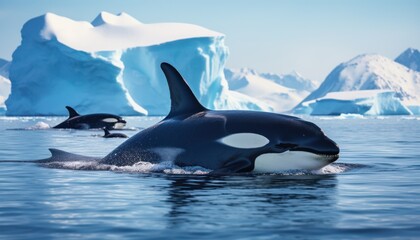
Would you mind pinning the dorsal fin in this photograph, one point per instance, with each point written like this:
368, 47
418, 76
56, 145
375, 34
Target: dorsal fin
72, 112
56, 153
63, 156
183, 100
106, 132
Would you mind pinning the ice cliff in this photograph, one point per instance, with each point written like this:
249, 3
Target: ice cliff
365, 102
113, 65
280, 93
4, 84
401, 87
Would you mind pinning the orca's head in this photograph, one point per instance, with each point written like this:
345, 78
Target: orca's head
298, 144
120, 123
116, 122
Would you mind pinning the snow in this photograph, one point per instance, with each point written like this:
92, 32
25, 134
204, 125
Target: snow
366, 72
410, 58
365, 102
293, 80
4, 84
110, 32
269, 89
113, 65
4, 92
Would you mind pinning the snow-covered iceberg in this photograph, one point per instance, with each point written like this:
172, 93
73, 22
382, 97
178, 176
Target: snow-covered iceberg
366, 72
280, 93
113, 65
364, 102
4, 84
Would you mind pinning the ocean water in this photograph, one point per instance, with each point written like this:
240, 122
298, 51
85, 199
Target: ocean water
371, 192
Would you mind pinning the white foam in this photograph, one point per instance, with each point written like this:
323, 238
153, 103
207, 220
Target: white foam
170, 168
140, 167
39, 125
335, 168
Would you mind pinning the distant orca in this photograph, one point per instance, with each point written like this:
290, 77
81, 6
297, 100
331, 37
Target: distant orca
107, 134
223, 141
97, 120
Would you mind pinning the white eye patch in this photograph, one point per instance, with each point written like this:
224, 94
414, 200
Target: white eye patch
244, 140
110, 120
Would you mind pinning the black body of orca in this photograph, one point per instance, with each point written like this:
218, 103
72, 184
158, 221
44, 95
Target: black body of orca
96, 120
107, 134
223, 141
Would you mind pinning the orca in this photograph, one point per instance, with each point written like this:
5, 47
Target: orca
107, 134
224, 141
96, 120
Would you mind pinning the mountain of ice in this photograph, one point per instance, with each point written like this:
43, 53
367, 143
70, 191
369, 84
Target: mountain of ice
367, 72
3, 62
113, 65
365, 102
293, 80
279, 92
4, 84
410, 58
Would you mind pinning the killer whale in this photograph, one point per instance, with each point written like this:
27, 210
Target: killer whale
228, 141
96, 120
107, 134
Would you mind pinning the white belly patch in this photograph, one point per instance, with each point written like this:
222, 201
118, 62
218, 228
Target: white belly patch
290, 160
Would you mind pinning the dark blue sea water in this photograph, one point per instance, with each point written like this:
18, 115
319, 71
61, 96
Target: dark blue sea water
373, 192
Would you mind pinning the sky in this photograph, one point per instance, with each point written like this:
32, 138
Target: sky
278, 36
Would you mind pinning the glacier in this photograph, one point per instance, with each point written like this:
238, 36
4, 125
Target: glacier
349, 88
113, 65
280, 93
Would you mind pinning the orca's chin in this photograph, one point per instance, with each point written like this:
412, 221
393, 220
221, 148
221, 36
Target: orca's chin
119, 125
292, 160
328, 157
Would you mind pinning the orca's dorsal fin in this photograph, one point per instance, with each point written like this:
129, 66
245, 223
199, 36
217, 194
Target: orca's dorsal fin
72, 112
183, 100
56, 153
106, 132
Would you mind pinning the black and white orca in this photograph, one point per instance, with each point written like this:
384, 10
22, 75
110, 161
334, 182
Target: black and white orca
222, 141
96, 120
107, 134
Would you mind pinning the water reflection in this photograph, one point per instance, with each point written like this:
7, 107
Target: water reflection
251, 200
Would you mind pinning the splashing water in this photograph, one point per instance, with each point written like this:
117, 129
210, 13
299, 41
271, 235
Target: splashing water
39, 125
170, 168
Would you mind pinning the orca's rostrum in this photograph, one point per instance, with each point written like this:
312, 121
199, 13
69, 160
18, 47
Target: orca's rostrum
225, 142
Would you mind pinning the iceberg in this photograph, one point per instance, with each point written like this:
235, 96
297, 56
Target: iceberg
4, 84
3, 62
112, 65
4, 93
364, 102
358, 78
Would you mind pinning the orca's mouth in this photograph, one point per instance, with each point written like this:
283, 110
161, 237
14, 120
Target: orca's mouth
119, 125
324, 156
327, 157
330, 151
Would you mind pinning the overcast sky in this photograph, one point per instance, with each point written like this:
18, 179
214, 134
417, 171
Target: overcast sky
311, 36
